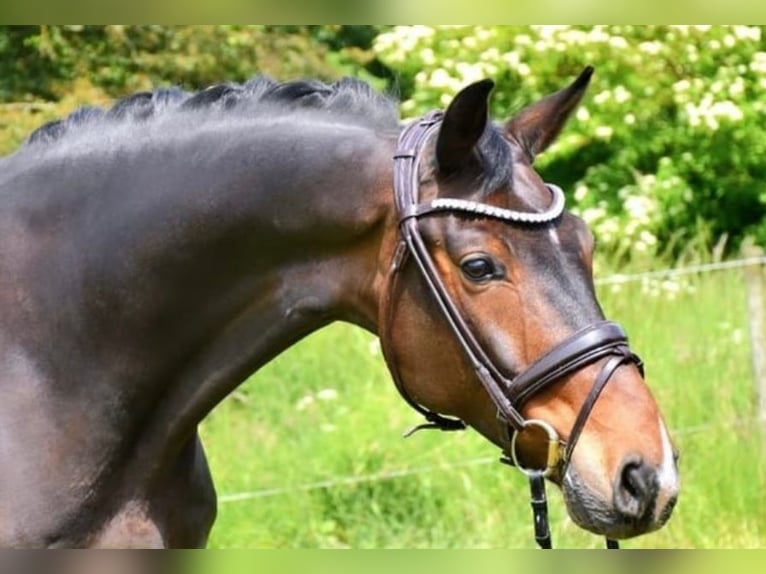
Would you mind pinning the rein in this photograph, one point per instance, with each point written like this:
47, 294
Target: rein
597, 341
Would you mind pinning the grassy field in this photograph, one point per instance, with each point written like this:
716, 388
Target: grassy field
326, 411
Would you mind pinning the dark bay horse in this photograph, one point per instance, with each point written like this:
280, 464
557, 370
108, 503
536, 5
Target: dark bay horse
154, 255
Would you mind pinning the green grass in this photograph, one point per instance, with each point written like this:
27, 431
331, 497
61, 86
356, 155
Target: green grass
277, 434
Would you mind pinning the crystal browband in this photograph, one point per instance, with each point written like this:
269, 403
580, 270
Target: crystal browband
476, 208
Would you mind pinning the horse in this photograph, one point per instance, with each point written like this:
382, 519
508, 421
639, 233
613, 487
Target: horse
155, 254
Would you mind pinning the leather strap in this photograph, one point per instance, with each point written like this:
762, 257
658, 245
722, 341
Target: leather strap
581, 349
606, 373
595, 342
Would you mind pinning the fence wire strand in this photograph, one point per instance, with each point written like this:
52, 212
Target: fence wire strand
620, 278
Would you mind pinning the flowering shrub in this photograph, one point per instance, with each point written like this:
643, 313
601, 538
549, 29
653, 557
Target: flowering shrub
668, 145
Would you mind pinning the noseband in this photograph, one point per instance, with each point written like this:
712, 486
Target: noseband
601, 340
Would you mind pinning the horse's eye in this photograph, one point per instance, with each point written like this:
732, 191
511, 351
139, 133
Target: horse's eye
479, 268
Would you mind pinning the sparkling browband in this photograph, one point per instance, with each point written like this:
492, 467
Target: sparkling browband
474, 207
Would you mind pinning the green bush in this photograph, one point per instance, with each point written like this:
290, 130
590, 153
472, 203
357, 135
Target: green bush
668, 145
47, 71
42, 62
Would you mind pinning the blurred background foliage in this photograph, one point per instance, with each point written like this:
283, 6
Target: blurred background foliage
44, 62
664, 158
666, 154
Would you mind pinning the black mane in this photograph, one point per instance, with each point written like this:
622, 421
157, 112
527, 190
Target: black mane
349, 98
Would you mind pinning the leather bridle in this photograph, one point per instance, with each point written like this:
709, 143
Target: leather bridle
600, 340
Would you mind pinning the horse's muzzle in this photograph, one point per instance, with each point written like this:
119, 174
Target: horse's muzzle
639, 501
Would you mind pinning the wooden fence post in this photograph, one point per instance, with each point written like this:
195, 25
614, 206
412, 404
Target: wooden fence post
755, 278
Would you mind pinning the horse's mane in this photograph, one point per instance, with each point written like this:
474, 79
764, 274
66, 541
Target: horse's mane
348, 98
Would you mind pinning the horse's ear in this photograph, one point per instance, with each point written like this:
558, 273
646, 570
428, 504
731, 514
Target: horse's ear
536, 126
463, 124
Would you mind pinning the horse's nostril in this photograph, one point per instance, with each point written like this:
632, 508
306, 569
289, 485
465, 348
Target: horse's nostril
636, 488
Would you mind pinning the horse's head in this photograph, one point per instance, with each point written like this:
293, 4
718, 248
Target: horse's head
523, 288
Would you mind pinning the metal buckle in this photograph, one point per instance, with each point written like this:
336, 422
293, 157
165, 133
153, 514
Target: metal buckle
554, 449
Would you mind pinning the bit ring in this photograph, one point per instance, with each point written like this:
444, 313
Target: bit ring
554, 449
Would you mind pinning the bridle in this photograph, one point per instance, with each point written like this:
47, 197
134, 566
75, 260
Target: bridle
600, 340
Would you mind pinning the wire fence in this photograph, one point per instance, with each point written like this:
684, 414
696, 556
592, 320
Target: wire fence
620, 278
341, 481
357, 479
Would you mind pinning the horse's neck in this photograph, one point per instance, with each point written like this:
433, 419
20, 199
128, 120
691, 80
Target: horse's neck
263, 203
190, 266
156, 280
311, 213
310, 206
273, 221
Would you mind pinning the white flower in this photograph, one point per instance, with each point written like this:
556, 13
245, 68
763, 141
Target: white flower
737, 87
485, 34
618, 42
470, 73
748, 33
522, 40
602, 97
327, 395
511, 58
681, 85
441, 79
621, 95
597, 34
580, 192
726, 109
490, 55
758, 63
651, 48
712, 123
574, 37
608, 229
709, 112
647, 237
593, 214
604, 132
304, 403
